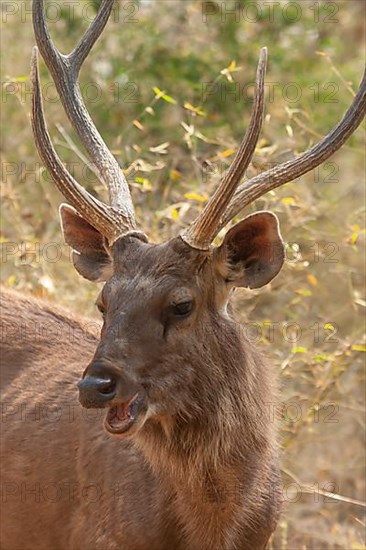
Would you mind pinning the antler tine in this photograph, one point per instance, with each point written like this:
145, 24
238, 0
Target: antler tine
292, 169
92, 34
64, 70
206, 226
98, 214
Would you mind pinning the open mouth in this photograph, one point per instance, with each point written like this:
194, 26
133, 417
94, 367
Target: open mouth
120, 418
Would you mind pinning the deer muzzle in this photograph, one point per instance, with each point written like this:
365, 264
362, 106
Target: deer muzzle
126, 403
96, 392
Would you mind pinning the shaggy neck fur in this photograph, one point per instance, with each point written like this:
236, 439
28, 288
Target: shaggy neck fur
217, 461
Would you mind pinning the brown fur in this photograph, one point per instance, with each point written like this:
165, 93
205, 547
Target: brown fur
202, 471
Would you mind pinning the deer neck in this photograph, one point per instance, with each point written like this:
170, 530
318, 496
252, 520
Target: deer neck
211, 464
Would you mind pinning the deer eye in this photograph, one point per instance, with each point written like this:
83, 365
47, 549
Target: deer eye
183, 309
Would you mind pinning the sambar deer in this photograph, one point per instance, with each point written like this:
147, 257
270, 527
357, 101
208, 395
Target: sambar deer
187, 458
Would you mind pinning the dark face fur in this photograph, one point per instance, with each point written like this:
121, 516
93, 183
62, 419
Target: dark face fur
151, 305
165, 320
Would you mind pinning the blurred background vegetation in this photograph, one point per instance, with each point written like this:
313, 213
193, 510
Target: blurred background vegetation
167, 85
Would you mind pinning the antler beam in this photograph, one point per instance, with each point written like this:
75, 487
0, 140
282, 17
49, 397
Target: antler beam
206, 226
98, 214
292, 169
65, 70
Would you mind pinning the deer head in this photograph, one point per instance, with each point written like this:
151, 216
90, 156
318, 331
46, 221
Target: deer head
167, 337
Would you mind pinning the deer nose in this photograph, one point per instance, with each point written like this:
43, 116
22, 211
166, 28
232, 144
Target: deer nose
96, 392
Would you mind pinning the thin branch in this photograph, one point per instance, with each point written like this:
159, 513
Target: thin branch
309, 489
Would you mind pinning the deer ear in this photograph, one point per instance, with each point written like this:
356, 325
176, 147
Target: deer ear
252, 252
90, 253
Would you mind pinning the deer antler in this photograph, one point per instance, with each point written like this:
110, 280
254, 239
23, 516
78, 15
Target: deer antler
118, 218
292, 169
220, 210
204, 229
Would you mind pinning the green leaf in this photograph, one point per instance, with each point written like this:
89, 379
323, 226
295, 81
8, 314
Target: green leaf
21, 79
160, 94
195, 196
299, 349
358, 347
